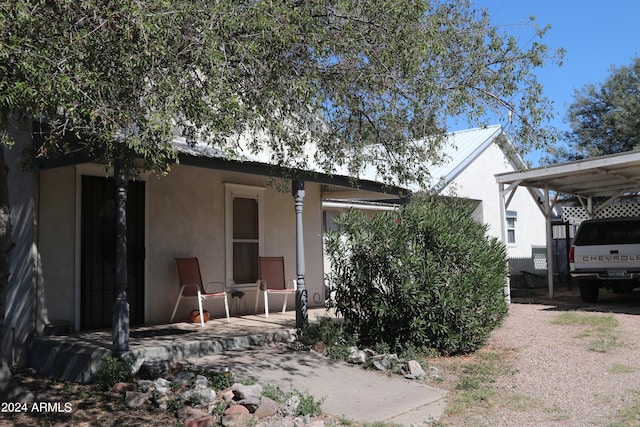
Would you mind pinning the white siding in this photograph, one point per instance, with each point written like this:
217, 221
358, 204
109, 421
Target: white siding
477, 181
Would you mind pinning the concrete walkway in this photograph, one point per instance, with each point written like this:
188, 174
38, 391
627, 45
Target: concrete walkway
348, 390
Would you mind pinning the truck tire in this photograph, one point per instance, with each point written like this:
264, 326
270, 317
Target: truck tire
589, 291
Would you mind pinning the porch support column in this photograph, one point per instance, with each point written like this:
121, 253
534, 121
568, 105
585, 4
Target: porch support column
549, 233
121, 305
504, 201
302, 316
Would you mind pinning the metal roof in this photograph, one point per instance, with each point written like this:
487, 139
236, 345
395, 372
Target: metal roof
611, 175
459, 151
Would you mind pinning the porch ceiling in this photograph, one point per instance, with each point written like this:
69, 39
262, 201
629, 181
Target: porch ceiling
601, 176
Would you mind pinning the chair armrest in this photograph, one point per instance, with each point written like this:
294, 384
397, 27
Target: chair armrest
292, 284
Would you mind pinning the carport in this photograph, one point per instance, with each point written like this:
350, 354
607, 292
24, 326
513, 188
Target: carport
607, 176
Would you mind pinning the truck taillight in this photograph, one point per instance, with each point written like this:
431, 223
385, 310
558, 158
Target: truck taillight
571, 255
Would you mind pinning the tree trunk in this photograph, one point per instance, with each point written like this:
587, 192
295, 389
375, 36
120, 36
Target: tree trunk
10, 390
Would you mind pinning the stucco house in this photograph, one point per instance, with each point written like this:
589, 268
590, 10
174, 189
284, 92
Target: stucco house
225, 212
472, 158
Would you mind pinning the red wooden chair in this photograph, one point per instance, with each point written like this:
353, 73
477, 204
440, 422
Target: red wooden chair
190, 281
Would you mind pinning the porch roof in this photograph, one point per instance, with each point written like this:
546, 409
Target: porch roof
206, 156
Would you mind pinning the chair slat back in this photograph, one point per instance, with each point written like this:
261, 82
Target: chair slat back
189, 274
272, 271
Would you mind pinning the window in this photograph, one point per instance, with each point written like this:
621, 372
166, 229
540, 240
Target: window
245, 240
511, 226
244, 235
329, 224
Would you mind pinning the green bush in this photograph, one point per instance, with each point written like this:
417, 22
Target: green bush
308, 404
422, 277
112, 370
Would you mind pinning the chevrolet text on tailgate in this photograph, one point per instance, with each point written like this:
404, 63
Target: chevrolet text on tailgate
606, 254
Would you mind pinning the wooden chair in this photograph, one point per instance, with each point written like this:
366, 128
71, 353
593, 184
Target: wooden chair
271, 280
190, 281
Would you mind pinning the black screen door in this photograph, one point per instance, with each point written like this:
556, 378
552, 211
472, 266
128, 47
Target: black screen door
97, 287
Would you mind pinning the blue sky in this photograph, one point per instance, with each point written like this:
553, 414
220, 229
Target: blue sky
595, 34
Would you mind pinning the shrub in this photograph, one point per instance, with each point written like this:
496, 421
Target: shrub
112, 370
423, 277
308, 404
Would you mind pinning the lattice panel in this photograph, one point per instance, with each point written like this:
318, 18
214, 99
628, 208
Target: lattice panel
577, 214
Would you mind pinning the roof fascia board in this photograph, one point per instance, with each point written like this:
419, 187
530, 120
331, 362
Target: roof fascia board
264, 169
576, 167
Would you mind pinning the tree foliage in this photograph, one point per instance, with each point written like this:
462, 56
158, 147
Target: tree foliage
347, 74
423, 277
605, 117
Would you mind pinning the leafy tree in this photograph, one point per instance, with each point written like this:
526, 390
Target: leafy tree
605, 118
117, 80
424, 277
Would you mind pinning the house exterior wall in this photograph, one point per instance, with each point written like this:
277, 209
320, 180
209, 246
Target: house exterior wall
24, 312
184, 218
57, 240
477, 181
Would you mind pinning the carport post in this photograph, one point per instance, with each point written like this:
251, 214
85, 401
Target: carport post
503, 232
547, 214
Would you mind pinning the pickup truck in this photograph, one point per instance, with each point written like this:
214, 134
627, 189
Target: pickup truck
606, 254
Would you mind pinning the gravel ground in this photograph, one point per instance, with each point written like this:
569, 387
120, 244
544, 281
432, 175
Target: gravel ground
558, 380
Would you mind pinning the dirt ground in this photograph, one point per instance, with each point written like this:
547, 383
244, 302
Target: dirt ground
80, 405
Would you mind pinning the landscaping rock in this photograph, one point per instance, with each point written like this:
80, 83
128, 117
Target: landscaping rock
290, 406
160, 397
235, 410
415, 369
434, 373
123, 387
201, 382
383, 362
145, 385
236, 420
189, 414
204, 396
247, 392
200, 422
183, 378
251, 404
135, 399
320, 348
162, 382
154, 368
268, 407
227, 396
357, 356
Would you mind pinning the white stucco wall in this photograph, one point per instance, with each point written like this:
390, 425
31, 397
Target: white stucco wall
184, 217
477, 181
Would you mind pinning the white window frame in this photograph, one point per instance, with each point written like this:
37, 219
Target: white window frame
232, 191
511, 216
